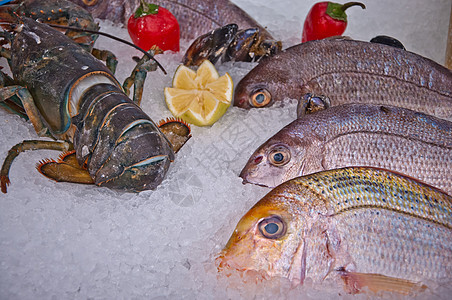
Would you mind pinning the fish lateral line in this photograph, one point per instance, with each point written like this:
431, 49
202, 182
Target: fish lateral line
370, 206
331, 211
388, 134
341, 71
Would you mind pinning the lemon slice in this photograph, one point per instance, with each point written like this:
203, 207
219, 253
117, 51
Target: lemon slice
200, 97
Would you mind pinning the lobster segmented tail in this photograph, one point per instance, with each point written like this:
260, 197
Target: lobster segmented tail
120, 145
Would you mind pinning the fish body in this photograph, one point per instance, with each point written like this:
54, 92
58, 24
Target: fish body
368, 227
348, 71
393, 138
195, 17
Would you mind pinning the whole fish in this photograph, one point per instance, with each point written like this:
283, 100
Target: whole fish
195, 17
369, 227
393, 138
348, 71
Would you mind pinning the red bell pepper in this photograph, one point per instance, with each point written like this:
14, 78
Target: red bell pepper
326, 19
154, 25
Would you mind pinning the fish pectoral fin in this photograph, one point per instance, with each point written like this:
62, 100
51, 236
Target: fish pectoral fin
66, 169
176, 131
354, 282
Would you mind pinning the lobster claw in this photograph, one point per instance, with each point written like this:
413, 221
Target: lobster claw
210, 46
227, 43
240, 47
267, 48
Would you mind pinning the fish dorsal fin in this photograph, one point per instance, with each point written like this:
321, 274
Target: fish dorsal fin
363, 187
355, 282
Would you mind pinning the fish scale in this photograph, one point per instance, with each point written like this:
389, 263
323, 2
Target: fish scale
347, 189
346, 150
373, 251
358, 226
393, 138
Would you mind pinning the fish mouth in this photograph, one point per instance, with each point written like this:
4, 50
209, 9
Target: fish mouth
225, 266
220, 263
241, 102
245, 181
228, 268
247, 177
241, 96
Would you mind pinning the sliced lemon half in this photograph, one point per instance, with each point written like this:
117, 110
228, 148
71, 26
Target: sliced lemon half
200, 97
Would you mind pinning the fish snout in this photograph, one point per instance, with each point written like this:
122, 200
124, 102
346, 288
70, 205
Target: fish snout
249, 169
244, 175
251, 174
241, 100
221, 263
225, 264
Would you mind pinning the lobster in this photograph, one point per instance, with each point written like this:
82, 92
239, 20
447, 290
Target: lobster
113, 142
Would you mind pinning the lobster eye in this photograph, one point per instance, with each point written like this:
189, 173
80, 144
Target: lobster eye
260, 98
272, 227
279, 156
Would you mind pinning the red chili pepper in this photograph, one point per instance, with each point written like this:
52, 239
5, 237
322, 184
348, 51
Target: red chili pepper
326, 19
154, 25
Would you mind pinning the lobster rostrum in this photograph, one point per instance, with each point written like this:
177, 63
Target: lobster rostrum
70, 95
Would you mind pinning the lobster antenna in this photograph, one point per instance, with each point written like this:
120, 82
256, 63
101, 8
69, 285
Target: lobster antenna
114, 38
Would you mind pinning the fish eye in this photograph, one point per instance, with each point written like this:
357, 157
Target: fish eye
260, 98
272, 227
279, 156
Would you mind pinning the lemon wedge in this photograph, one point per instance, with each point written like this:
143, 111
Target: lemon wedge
200, 97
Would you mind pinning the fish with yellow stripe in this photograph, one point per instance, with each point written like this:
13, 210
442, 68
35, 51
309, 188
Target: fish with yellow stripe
365, 228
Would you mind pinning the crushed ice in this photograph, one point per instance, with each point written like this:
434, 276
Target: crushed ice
61, 240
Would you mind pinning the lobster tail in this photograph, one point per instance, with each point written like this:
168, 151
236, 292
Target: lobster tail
120, 145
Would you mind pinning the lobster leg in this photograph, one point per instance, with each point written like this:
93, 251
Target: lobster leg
28, 104
138, 76
6, 53
24, 146
10, 103
108, 57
